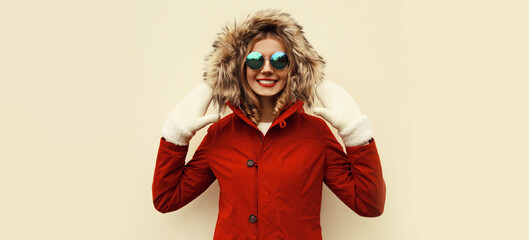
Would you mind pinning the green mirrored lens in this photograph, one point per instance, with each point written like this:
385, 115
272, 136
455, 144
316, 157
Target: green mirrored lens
279, 60
254, 60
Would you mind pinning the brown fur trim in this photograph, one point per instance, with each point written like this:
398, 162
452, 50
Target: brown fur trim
229, 50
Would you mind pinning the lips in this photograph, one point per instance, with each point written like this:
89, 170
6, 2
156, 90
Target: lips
267, 82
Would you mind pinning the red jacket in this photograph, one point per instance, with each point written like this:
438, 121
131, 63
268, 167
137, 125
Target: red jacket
270, 186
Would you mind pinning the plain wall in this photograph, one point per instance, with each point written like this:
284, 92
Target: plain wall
86, 87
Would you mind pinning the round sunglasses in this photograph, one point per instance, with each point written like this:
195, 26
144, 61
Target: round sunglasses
278, 60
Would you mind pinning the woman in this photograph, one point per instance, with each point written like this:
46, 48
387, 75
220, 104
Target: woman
270, 157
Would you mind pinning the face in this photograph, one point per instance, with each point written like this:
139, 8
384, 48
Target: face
267, 81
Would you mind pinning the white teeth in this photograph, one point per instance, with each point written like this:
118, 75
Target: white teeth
266, 81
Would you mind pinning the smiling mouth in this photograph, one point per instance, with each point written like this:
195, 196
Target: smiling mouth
266, 82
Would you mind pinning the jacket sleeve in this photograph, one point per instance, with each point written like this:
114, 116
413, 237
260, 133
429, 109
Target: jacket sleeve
355, 176
176, 183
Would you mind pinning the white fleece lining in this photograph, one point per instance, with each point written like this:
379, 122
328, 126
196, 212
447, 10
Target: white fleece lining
264, 126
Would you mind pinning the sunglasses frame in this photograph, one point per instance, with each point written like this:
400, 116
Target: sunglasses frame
272, 62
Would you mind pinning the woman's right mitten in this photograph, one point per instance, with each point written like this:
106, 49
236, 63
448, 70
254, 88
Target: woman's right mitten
188, 116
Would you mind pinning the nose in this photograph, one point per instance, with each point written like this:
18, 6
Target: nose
267, 68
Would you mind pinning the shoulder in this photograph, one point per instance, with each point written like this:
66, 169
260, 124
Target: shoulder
222, 123
304, 124
227, 127
313, 121
320, 129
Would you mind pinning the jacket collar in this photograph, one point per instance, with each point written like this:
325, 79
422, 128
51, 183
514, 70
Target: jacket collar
291, 109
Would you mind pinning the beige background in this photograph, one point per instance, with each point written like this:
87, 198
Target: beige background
86, 86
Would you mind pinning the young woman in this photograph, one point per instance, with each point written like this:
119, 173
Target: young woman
270, 157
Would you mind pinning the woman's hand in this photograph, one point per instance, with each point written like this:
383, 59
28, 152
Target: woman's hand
342, 112
188, 116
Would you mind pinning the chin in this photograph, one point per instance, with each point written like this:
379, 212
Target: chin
266, 93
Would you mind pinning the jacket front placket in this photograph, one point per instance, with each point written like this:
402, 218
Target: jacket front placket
267, 173
266, 180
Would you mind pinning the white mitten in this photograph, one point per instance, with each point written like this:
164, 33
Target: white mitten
342, 112
188, 116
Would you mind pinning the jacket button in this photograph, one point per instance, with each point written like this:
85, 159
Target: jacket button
252, 218
250, 163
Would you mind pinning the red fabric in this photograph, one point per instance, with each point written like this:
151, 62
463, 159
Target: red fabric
283, 188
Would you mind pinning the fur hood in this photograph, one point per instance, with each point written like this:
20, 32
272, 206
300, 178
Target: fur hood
229, 49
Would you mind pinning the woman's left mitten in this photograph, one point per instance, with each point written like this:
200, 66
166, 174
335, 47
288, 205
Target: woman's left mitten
342, 112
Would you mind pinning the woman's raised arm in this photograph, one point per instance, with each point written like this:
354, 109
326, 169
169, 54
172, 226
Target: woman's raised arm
355, 176
176, 183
